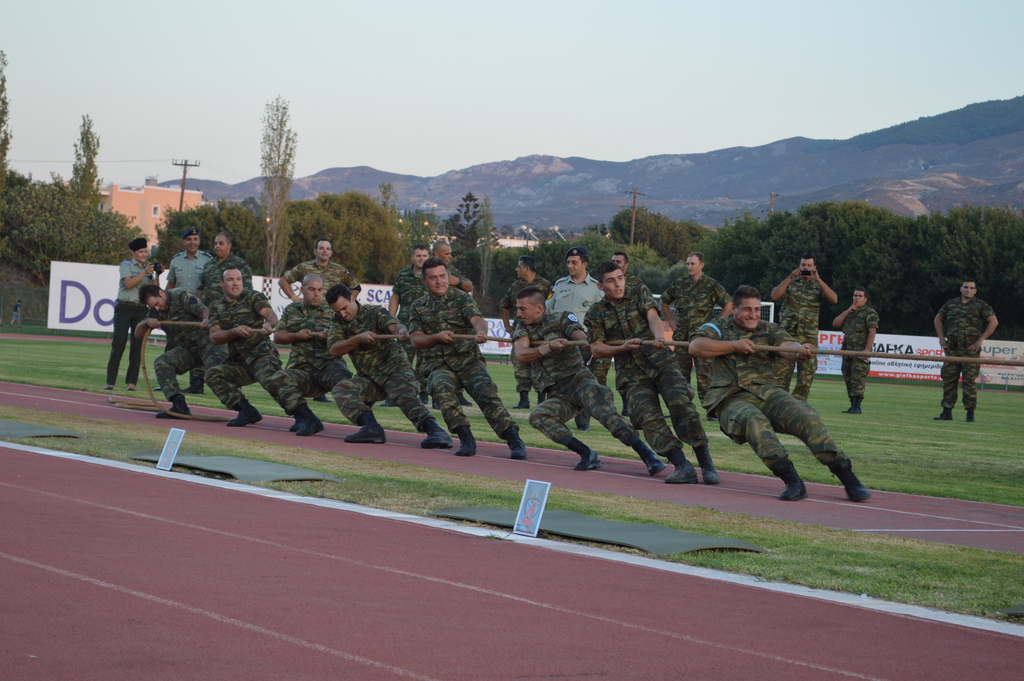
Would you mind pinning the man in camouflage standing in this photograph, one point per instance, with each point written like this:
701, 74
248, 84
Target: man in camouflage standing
526, 273
687, 304
633, 283
567, 387
211, 285
859, 324
304, 326
330, 273
752, 408
443, 250
959, 327
452, 364
801, 294
383, 370
243, 321
186, 272
648, 374
193, 347
408, 288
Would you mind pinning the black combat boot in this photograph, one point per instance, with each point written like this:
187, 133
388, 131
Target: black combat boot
583, 420
297, 425
463, 401
970, 416
369, 432
647, 455
246, 414
854, 489
436, 437
311, 423
524, 400
854, 405
625, 406
467, 443
195, 387
178, 406
684, 472
707, 467
795, 489
321, 398
946, 415
515, 443
423, 397
589, 460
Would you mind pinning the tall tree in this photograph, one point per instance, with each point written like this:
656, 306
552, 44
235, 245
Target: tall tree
487, 242
464, 224
84, 173
5, 138
278, 167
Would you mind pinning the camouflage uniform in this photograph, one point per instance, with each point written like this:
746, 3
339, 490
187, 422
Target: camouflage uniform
635, 287
187, 273
251, 359
963, 324
409, 287
566, 386
213, 273
646, 374
382, 369
855, 337
523, 372
799, 316
454, 366
751, 407
693, 304
193, 346
332, 273
310, 364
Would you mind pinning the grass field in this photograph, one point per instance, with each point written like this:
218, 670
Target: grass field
895, 446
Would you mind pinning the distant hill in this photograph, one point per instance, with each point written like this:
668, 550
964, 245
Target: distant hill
974, 154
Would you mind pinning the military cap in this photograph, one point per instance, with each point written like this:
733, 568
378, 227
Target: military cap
191, 231
580, 251
136, 244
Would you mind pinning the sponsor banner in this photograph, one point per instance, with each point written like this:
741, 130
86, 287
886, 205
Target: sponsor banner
82, 298
922, 370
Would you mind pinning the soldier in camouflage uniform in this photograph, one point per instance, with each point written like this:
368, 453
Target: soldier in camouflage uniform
408, 289
186, 272
563, 381
443, 250
687, 304
752, 408
647, 373
383, 370
211, 285
330, 273
304, 326
962, 336
526, 273
859, 324
243, 321
193, 348
453, 364
634, 287
801, 294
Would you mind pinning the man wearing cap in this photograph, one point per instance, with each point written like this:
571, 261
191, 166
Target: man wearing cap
211, 286
134, 273
576, 293
186, 272
330, 273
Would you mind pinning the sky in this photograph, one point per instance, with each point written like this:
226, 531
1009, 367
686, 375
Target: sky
422, 88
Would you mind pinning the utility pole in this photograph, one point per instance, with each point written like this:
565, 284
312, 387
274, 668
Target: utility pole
771, 202
184, 176
632, 225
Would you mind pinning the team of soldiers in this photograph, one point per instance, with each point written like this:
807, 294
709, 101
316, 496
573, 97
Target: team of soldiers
564, 337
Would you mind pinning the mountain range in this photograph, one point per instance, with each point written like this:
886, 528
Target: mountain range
971, 155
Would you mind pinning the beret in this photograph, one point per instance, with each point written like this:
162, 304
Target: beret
136, 244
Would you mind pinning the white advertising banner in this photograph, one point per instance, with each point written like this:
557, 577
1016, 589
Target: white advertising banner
82, 298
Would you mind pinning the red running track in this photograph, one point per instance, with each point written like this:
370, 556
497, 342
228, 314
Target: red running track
120, 574
988, 526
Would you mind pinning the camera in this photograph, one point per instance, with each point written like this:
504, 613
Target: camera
806, 273
158, 269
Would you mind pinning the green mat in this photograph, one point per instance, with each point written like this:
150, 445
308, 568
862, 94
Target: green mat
15, 430
651, 538
246, 470
1017, 611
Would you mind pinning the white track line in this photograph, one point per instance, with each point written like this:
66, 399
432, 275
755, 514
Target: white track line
878, 605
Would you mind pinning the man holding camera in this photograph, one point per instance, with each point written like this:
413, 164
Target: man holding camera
801, 294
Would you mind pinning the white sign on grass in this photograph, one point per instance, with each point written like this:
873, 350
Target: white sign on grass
170, 449
531, 508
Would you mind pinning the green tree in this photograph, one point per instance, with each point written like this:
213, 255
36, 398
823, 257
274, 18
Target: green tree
670, 239
367, 242
232, 218
5, 139
84, 173
464, 224
48, 221
278, 169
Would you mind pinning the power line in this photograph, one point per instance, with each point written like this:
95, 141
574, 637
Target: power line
184, 177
